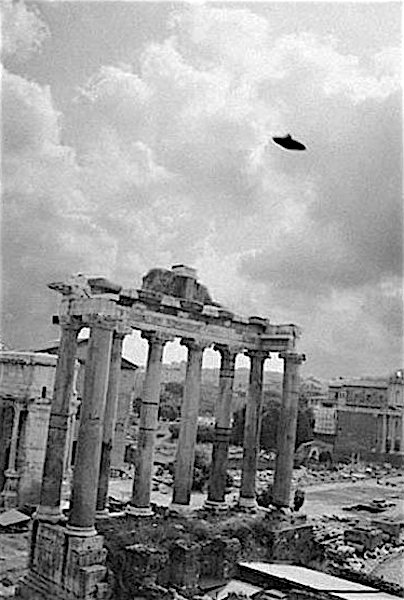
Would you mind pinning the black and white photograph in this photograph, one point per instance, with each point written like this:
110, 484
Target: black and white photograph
202, 285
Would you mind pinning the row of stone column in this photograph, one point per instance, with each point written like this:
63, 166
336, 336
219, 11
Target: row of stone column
101, 386
100, 394
140, 501
391, 430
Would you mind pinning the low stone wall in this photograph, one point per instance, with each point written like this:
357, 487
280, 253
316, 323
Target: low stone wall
192, 554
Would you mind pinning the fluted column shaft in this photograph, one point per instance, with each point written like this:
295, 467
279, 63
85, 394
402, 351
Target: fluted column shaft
252, 428
184, 463
142, 482
49, 507
87, 465
109, 419
286, 436
218, 473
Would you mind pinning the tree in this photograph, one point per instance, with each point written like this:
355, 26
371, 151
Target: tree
269, 426
170, 400
305, 426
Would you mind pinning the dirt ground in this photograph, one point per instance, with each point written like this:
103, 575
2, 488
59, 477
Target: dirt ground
322, 499
328, 499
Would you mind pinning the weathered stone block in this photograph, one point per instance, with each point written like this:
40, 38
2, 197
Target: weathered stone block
184, 564
64, 567
392, 528
291, 543
232, 553
145, 562
85, 564
89, 579
48, 551
367, 537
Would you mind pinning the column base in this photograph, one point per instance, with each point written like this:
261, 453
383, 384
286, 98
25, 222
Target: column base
249, 503
49, 514
100, 514
64, 567
139, 511
215, 506
183, 510
83, 532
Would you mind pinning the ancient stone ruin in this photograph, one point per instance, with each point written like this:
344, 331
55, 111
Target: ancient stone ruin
67, 559
26, 386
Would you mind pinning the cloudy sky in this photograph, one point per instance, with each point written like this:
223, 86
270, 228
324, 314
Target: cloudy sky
137, 134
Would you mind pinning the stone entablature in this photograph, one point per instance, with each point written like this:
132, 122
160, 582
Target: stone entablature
150, 310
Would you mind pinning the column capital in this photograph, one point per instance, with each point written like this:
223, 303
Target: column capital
292, 357
228, 350
102, 322
70, 322
196, 345
18, 407
258, 353
156, 337
121, 331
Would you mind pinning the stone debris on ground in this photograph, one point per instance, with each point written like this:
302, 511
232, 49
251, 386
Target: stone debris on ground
13, 519
307, 477
353, 544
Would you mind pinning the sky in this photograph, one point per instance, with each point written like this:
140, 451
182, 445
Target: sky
138, 134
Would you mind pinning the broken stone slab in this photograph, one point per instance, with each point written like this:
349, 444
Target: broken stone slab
363, 536
390, 527
13, 518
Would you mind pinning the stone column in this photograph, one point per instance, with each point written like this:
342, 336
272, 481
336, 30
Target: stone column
252, 429
109, 421
184, 462
218, 473
87, 464
74, 404
402, 433
394, 430
67, 469
142, 482
286, 436
390, 433
9, 494
384, 434
52, 478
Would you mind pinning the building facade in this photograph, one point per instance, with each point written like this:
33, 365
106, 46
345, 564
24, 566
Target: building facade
364, 418
26, 387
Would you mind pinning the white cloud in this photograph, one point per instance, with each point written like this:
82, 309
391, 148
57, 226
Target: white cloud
23, 30
337, 73
174, 163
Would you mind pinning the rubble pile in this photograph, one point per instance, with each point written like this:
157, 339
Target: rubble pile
350, 543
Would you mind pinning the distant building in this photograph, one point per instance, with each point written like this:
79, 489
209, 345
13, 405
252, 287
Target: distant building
313, 392
364, 418
26, 386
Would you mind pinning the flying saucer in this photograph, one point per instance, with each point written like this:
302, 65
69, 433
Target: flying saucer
289, 143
